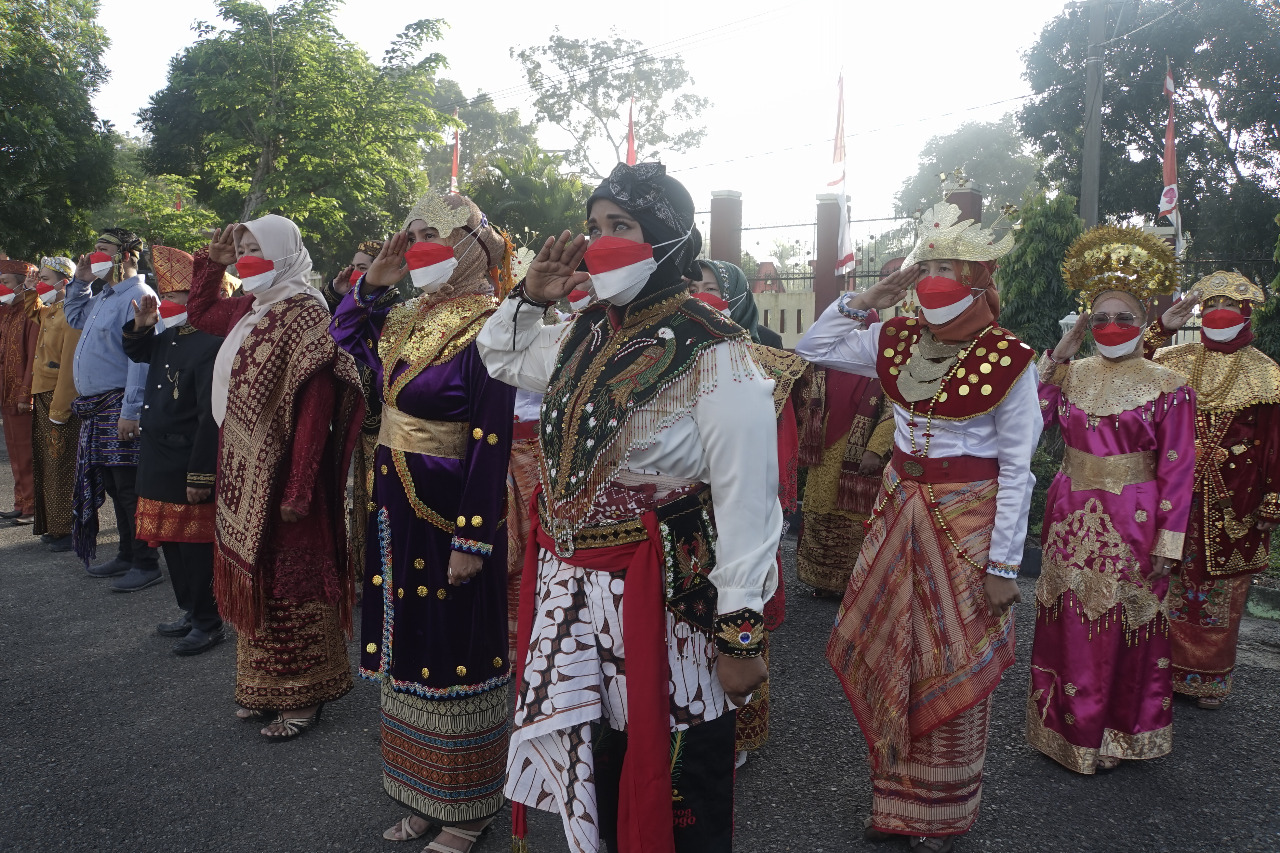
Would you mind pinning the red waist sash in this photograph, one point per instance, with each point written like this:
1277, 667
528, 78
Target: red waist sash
524, 431
944, 469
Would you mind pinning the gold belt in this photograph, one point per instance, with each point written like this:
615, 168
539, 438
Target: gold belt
1108, 473
446, 439
604, 535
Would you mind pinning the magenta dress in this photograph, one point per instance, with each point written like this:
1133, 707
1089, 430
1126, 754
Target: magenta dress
1100, 678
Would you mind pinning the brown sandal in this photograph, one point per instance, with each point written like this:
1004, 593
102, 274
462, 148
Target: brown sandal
403, 831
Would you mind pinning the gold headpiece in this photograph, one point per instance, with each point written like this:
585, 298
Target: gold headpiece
435, 210
1231, 285
1128, 259
174, 269
944, 236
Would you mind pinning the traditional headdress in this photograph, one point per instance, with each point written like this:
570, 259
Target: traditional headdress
1231, 285
1120, 258
435, 210
18, 268
373, 247
124, 239
59, 264
485, 268
945, 236
173, 267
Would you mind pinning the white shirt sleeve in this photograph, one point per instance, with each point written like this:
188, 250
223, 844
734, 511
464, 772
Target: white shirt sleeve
836, 341
739, 437
517, 348
1018, 425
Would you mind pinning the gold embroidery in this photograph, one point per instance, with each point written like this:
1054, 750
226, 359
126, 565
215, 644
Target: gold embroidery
1140, 516
1070, 718
419, 563
1172, 456
497, 663
400, 592
441, 594
422, 592
1107, 473
422, 335
1225, 382
443, 439
423, 511
785, 369
1162, 663
1070, 689
1102, 388
1165, 506
1168, 544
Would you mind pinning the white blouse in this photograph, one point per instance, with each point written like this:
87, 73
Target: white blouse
1008, 433
729, 441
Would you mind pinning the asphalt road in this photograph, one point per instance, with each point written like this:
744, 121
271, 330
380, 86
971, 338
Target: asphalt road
108, 742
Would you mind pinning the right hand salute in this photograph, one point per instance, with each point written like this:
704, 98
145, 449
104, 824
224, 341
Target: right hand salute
222, 247
554, 272
889, 291
1072, 340
1180, 312
390, 266
146, 312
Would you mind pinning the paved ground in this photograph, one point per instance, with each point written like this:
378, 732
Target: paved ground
110, 743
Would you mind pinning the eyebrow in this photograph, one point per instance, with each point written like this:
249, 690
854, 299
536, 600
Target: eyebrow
616, 217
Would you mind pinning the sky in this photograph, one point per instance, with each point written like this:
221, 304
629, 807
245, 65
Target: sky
911, 70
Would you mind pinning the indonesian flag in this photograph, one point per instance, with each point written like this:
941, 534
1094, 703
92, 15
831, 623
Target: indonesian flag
255, 272
942, 299
172, 313
457, 145
1169, 196
100, 263
631, 134
6, 295
845, 261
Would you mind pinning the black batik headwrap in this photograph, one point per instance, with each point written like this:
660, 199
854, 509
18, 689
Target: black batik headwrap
664, 209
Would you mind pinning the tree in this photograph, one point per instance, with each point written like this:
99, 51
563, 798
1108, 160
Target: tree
280, 113
1266, 319
487, 133
588, 86
1225, 56
55, 156
1033, 294
530, 194
994, 155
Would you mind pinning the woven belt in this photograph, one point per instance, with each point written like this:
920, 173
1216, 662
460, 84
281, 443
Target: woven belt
525, 431
1108, 473
445, 439
944, 469
607, 535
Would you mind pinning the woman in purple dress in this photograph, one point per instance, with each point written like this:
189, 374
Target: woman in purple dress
434, 630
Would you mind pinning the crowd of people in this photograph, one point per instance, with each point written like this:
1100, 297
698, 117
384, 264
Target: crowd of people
551, 509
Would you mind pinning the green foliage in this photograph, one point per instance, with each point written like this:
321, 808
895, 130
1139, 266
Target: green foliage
585, 87
994, 155
1033, 295
1266, 320
1226, 61
55, 156
1045, 463
749, 266
487, 133
281, 113
529, 197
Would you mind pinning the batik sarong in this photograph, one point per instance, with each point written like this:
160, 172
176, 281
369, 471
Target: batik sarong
1204, 626
54, 454
160, 521
522, 479
753, 717
296, 659
100, 447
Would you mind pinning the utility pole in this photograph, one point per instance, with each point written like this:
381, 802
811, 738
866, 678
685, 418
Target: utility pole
1091, 165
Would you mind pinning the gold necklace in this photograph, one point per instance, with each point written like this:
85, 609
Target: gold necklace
1197, 374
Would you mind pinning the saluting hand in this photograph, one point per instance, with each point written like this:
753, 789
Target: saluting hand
222, 246
888, 291
342, 284
1072, 340
84, 269
390, 266
146, 313
554, 272
1180, 312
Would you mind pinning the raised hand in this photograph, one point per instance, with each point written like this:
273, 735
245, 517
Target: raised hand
1180, 312
390, 266
222, 246
84, 270
889, 291
554, 272
146, 313
1072, 340
342, 284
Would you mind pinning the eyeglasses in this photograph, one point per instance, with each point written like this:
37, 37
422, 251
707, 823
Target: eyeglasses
1124, 318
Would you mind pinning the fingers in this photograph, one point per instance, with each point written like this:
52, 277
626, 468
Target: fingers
397, 245
557, 247
576, 250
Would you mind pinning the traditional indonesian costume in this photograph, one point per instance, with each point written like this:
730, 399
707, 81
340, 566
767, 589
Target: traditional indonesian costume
55, 429
1100, 678
18, 337
522, 481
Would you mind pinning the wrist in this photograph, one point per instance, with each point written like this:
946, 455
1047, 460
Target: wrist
520, 293
740, 634
1008, 571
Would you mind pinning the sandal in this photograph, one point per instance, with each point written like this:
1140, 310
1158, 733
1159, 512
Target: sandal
1106, 763
1209, 703
295, 726
256, 714
469, 835
870, 833
933, 844
403, 831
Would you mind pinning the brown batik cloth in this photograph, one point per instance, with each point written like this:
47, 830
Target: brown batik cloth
296, 659
53, 449
361, 506
753, 717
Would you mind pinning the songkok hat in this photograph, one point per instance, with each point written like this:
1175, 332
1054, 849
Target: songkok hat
18, 268
59, 264
370, 248
1232, 285
1128, 259
945, 236
173, 268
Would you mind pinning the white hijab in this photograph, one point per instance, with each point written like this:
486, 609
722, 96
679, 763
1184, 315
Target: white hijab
281, 243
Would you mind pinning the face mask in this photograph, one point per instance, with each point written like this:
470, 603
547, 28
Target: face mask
620, 268
6, 295
579, 299
1222, 324
173, 314
100, 264
255, 273
942, 299
430, 265
355, 277
1114, 340
714, 301
46, 292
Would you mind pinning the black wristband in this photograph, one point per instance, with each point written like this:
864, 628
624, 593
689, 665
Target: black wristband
740, 634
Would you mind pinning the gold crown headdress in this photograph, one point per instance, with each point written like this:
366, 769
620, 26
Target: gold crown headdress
434, 210
1120, 258
945, 236
1231, 285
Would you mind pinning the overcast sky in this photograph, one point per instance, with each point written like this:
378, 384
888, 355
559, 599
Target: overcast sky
912, 70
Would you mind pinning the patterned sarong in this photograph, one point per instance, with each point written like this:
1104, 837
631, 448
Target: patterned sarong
522, 479
100, 447
296, 659
1204, 627
54, 454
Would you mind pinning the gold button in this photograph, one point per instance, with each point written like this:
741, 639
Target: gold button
942, 398
371, 648
400, 592
893, 371
384, 470
492, 439
372, 506
888, 353
901, 346
993, 358
497, 663
985, 368
986, 389
476, 521
973, 378
462, 521
1006, 361
377, 580
980, 351
1172, 456
441, 593
477, 433
964, 390
903, 333
462, 670
1002, 345
911, 321
422, 592
419, 563
426, 673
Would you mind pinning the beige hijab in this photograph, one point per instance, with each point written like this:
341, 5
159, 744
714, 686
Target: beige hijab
281, 242
478, 247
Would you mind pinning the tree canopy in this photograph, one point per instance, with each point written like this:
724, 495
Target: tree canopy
585, 86
279, 112
1225, 56
1033, 294
55, 156
529, 197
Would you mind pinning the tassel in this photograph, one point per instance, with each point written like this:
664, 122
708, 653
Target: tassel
855, 492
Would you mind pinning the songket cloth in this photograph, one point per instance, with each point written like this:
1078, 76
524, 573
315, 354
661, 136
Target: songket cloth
912, 597
17, 440
1204, 628
297, 658
54, 455
1100, 679
522, 479
161, 521
100, 447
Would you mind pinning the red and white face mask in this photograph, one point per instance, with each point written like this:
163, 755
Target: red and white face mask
173, 314
100, 264
714, 301
579, 299
430, 265
255, 273
1114, 340
46, 292
6, 295
355, 277
619, 268
942, 299
1222, 324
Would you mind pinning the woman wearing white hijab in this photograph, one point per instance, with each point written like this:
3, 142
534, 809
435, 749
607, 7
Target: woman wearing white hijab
289, 405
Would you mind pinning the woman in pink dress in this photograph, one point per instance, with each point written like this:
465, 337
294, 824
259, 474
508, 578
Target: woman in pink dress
1101, 686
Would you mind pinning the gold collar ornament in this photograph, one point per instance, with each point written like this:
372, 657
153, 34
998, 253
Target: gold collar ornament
943, 235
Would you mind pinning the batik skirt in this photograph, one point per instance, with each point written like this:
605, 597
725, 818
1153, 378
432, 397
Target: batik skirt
297, 658
54, 454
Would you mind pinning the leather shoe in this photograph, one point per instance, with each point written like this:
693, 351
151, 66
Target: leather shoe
47, 538
11, 514
136, 579
60, 545
110, 569
179, 627
198, 641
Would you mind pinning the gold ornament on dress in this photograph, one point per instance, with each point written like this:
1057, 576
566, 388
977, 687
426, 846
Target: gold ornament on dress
943, 235
1232, 285
1103, 388
1120, 258
1108, 473
1225, 381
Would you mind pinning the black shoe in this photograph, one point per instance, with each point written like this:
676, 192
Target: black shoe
136, 579
47, 538
179, 627
11, 514
111, 569
60, 545
198, 641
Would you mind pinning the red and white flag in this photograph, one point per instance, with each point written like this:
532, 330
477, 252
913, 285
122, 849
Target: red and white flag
457, 144
845, 258
1169, 195
631, 134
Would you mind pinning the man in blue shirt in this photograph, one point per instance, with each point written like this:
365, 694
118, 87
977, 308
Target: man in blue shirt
110, 389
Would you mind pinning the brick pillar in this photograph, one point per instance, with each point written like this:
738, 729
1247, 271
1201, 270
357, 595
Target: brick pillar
969, 200
726, 226
826, 284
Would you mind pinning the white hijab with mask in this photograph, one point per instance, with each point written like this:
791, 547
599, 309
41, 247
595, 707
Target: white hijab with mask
281, 243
